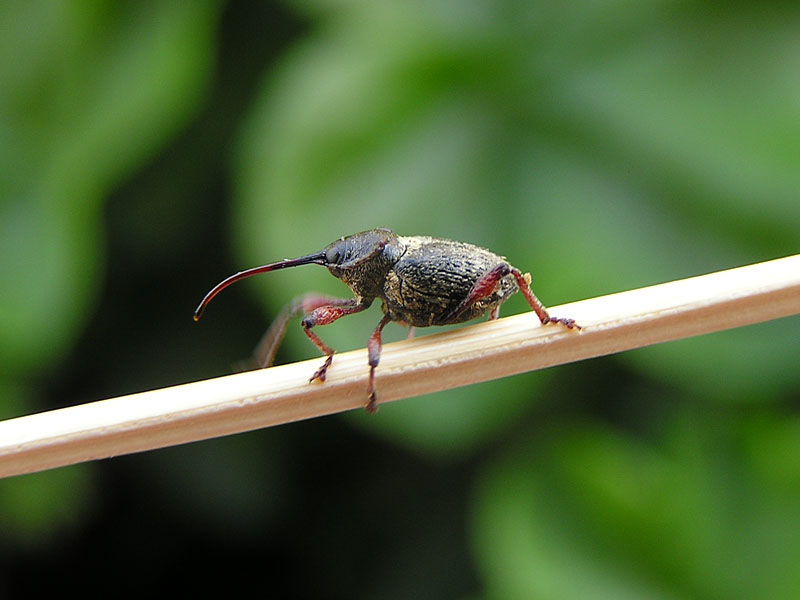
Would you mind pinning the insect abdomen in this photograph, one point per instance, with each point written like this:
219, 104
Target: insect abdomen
434, 276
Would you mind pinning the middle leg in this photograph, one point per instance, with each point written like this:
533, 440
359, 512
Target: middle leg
374, 350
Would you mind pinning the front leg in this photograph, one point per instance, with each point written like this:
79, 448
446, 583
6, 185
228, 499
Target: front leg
267, 347
324, 315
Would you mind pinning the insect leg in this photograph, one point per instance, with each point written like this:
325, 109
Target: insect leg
374, 350
323, 315
486, 285
264, 353
482, 288
524, 283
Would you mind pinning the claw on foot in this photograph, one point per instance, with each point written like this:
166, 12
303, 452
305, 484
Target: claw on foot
320, 373
372, 405
568, 323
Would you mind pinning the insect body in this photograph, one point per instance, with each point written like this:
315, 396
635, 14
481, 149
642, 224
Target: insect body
420, 280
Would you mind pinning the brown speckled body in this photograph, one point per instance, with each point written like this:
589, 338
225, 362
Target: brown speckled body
433, 276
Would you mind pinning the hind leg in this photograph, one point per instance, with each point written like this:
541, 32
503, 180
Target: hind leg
524, 283
486, 285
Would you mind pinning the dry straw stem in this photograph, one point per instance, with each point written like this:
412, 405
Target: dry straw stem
489, 350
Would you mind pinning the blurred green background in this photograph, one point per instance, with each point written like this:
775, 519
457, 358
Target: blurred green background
148, 149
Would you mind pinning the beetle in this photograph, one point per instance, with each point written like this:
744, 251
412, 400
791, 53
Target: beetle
420, 280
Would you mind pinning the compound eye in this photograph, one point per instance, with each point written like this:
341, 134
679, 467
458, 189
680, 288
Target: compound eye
334, 255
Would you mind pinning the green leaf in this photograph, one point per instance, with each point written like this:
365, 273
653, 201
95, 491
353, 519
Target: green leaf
584, 511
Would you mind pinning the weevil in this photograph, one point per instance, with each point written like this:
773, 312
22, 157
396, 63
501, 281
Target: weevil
421, 281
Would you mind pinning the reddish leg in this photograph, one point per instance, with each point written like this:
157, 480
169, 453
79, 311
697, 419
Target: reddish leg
324, 315
374, 350
486, 285
482, 288
524, 283
266, 349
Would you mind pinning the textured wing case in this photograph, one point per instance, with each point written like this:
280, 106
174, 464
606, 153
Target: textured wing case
432, 278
